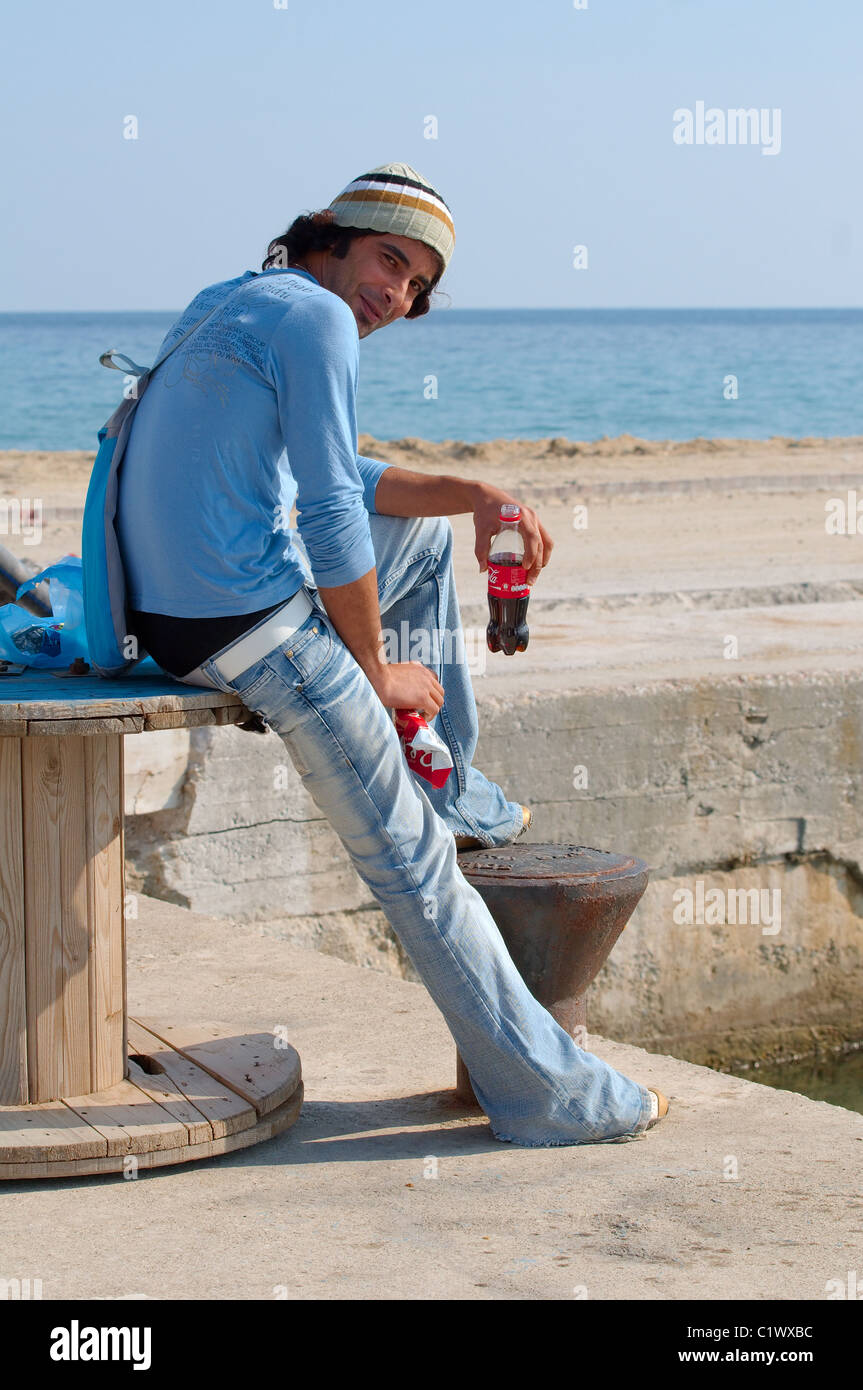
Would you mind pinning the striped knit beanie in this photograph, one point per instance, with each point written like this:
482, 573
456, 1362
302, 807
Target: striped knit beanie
395, 198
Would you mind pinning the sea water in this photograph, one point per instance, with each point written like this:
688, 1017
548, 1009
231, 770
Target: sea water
837, 1079
479, 374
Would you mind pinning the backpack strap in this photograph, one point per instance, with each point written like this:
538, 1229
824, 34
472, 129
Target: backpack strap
132, 368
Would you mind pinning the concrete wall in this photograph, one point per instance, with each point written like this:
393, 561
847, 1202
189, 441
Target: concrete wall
742, 783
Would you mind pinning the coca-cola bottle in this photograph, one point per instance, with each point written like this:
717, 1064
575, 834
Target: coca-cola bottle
508, 591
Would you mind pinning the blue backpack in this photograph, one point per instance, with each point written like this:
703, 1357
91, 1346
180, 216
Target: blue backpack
111, 647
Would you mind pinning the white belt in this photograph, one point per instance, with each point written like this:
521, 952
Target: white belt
263, 639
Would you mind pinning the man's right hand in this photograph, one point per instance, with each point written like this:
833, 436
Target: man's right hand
408, 685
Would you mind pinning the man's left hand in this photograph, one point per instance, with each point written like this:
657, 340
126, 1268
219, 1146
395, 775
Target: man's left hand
538, 544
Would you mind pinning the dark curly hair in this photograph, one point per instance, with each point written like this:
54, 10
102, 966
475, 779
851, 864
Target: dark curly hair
309, 232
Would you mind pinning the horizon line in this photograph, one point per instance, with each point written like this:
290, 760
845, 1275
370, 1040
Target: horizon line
541, 308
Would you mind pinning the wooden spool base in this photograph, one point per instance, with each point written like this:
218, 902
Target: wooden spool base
189, 1093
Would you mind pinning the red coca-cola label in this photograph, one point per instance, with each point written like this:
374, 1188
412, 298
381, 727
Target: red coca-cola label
427, 755
421, 763
508, 581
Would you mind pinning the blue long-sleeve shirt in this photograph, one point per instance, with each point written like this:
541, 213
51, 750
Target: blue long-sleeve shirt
255, 410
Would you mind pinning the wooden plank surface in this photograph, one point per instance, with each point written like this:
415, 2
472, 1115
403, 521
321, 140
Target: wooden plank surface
226, 1112
249, 1063
168, 1111
79, 728
13, 1014
276, 1122
72, 832
102, 808
37, 696
195, 718
166, 1093
129, 1119
40, 781
51, 1127
118, 1003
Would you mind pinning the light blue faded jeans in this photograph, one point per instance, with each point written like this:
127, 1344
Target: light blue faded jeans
535, 1085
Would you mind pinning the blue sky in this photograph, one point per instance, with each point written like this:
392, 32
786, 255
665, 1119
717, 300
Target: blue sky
554, 129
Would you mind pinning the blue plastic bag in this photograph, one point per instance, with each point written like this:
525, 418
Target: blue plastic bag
47, 643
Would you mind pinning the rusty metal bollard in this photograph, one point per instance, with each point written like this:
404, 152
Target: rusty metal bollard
559, 909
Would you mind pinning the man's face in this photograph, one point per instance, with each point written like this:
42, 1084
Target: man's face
380, 277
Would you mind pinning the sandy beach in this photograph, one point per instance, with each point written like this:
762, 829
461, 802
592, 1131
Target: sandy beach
685, 542
60, 478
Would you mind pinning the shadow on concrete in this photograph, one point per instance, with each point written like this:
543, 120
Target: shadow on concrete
350, 1131
335, 1132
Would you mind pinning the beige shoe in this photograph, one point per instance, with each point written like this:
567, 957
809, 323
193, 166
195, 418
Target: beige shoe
662, 1105
470, 841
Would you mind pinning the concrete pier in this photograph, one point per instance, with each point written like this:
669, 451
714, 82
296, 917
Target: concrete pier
382, 1189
